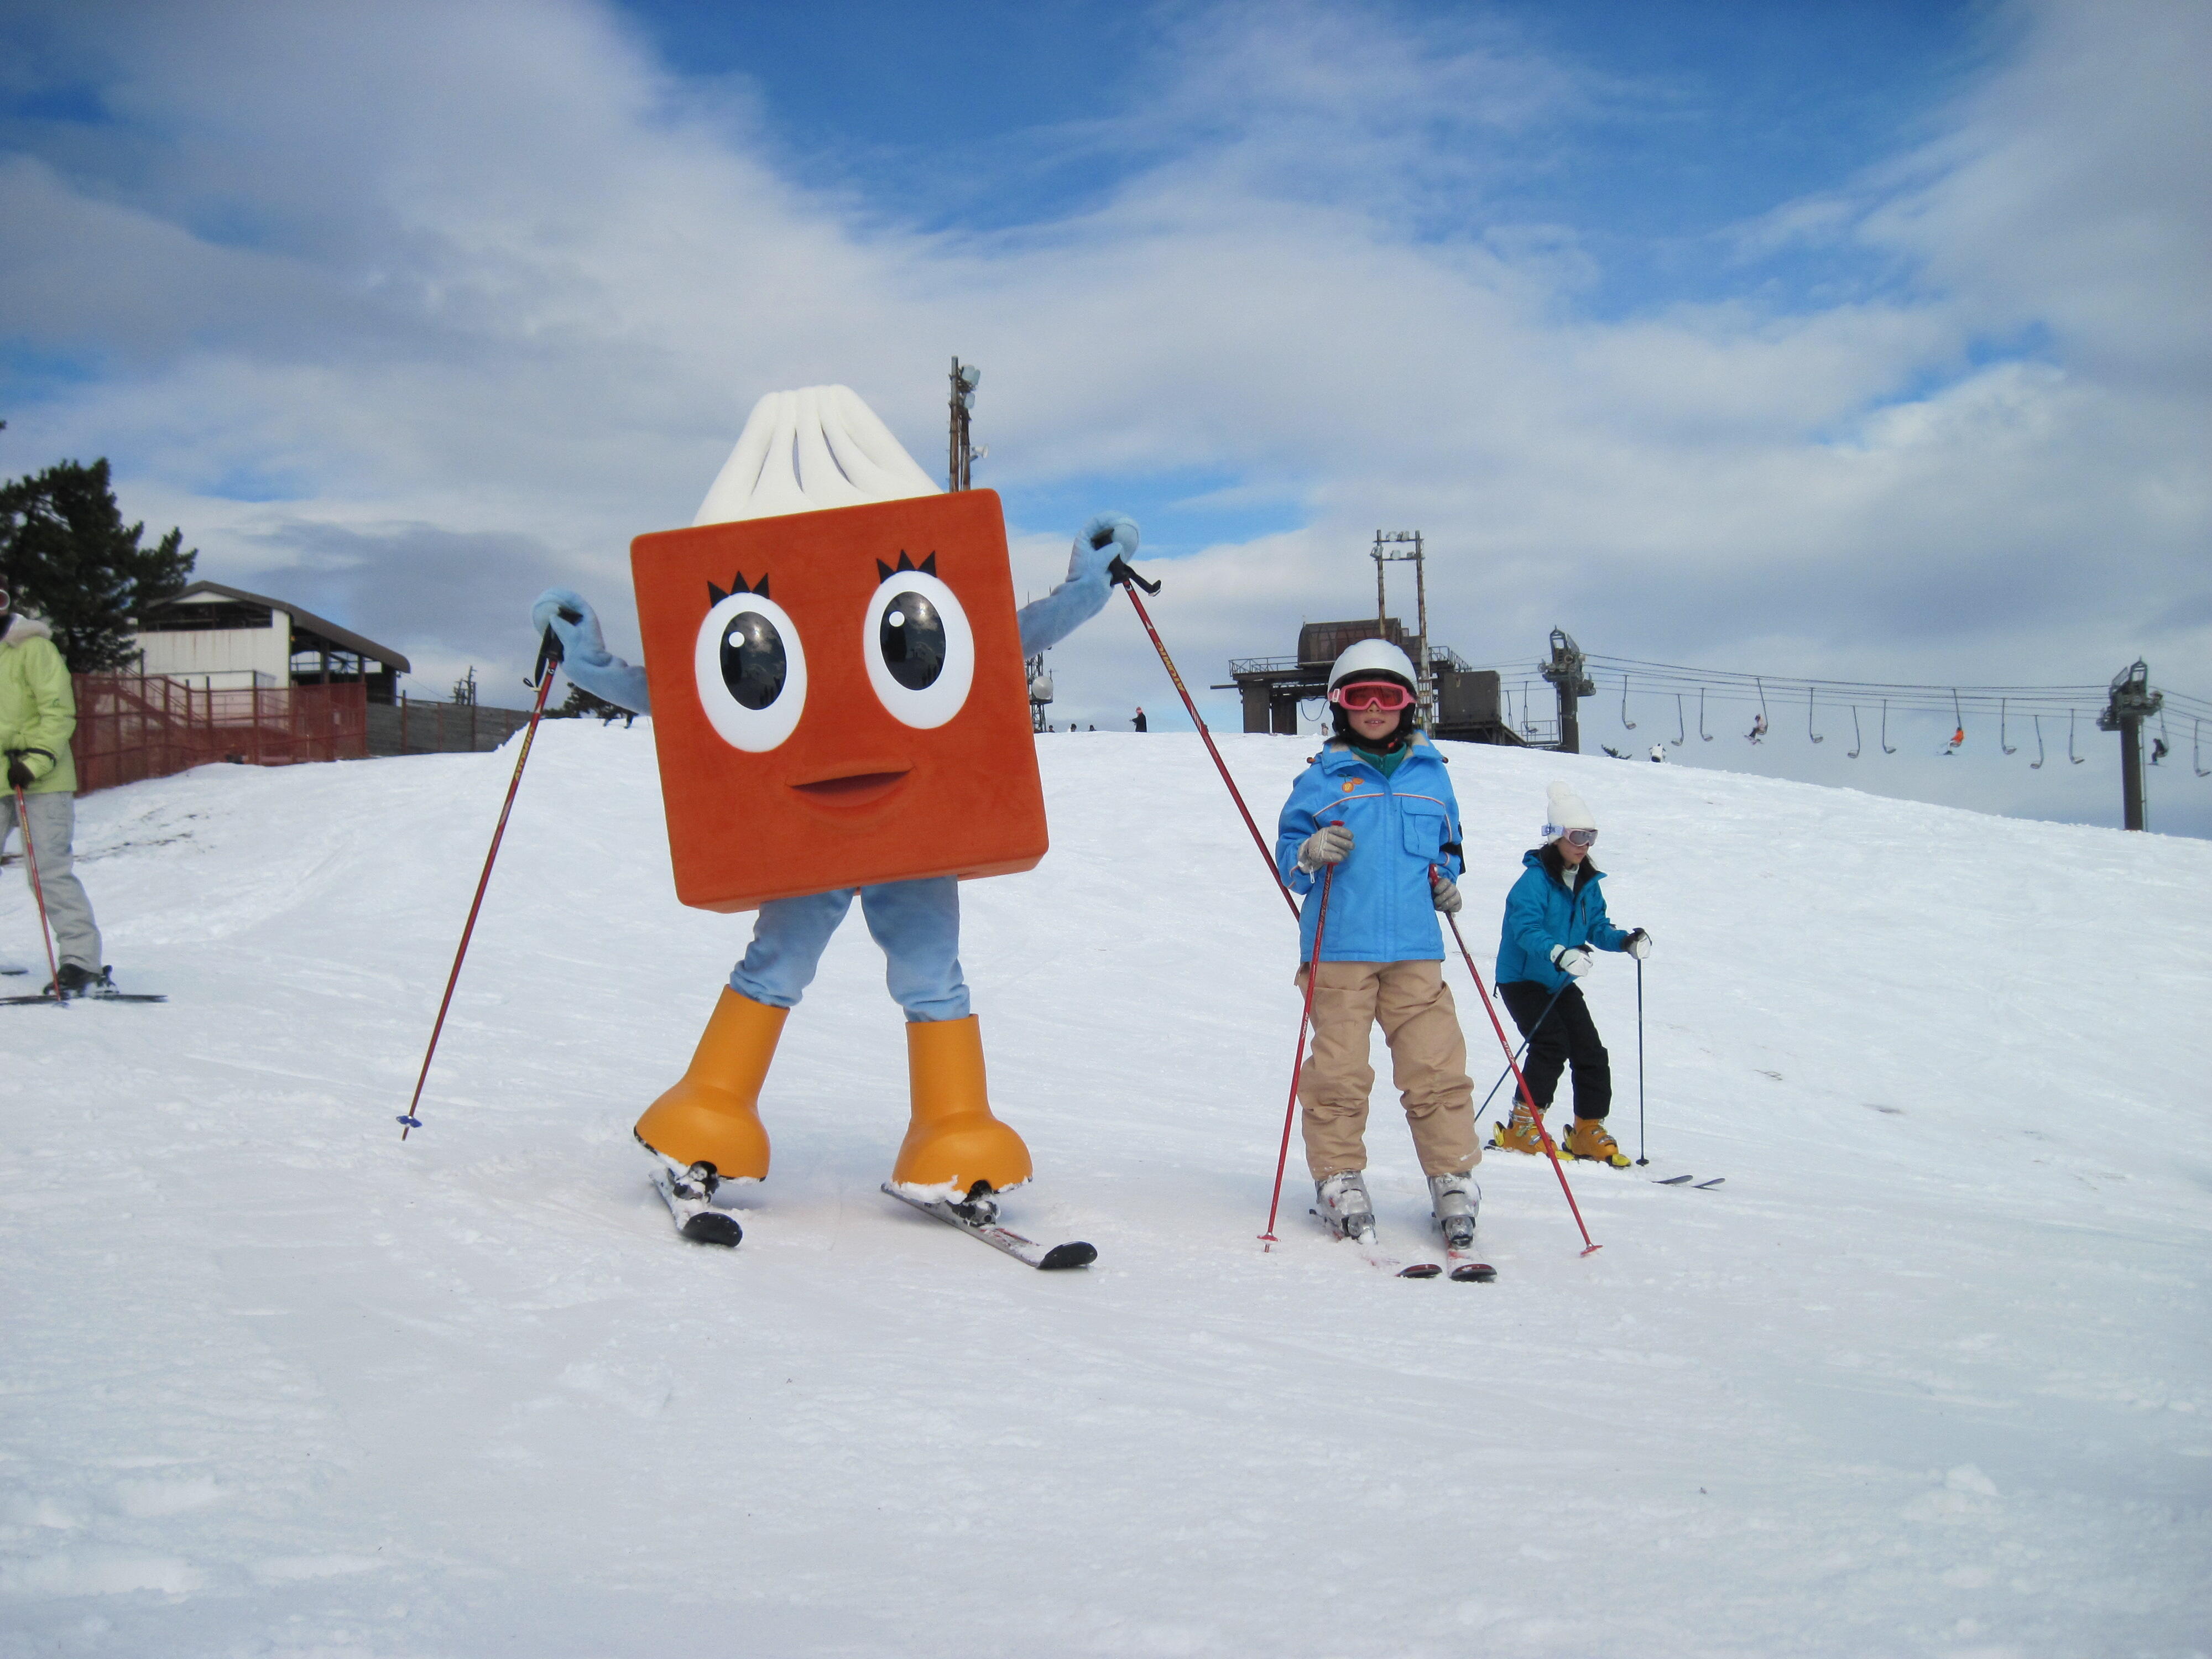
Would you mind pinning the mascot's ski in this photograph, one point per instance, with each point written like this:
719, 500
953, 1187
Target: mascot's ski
104, 996
977, 1218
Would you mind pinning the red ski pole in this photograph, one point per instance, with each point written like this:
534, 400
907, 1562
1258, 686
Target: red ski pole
549, 656
1130, 582
1298, 1060
1521, 1082
38, 891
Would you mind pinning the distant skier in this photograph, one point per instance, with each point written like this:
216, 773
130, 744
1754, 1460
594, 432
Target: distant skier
1139, 722
1377, 804
1553, 917
1758, 727
38, 716
1659, 753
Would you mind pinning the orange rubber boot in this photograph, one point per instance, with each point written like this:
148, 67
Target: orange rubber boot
712, 1115
1589, 1139
1518, 1133
953, 1140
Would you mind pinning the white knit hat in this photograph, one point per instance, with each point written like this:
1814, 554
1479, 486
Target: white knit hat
1564, 810
804, 451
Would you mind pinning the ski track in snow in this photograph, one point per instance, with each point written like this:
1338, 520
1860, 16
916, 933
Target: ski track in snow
1927, 1377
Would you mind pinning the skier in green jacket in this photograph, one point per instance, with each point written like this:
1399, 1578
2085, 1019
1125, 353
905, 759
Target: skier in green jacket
37, 713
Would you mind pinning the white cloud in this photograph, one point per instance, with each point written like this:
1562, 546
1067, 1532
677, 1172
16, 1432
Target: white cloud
478, 290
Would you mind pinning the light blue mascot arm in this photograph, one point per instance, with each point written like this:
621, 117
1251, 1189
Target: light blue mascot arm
585, 657
1083, 594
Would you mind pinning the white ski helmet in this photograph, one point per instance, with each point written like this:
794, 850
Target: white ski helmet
1373, 659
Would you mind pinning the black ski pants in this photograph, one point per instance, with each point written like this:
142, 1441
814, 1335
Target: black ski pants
1567, 1035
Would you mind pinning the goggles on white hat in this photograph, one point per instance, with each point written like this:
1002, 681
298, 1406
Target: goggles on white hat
1579, 837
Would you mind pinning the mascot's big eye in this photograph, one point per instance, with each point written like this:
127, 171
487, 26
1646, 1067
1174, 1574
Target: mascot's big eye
750, 671
919, 650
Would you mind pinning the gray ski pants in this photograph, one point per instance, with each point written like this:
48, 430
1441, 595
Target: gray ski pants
69, 912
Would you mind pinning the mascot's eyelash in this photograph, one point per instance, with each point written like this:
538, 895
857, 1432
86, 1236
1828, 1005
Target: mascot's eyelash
715, 595
884, 572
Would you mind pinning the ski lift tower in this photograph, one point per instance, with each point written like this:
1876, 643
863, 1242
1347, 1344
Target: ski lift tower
1565, 670
1424, 680
2133, 701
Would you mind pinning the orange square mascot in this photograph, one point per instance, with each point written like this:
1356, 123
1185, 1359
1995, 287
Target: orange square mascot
834, 668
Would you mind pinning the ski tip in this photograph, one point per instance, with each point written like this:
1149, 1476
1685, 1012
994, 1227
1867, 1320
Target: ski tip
1668, 1181
1707, 1186
1473, 1273
1420, 1270
713, 1227
1073, 1254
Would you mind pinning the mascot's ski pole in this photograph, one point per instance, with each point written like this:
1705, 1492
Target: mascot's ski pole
1121, 572
1298, 1060
1521, 1082
548, 659
38, 890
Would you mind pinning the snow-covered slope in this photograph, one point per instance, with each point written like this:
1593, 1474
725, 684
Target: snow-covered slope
1928, 1376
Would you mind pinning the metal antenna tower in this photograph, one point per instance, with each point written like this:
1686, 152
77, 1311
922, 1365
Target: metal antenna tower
1381, 553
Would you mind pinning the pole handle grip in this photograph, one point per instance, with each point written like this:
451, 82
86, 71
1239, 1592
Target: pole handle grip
1123, 571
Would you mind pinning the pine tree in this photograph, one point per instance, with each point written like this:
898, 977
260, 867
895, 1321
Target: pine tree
66, 554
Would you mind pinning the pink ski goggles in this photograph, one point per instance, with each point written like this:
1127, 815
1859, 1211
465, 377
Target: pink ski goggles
1372, 693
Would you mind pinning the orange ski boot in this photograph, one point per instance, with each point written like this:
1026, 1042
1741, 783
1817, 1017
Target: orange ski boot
1519, 1133
711, 1117
953, 1141
1587, 1138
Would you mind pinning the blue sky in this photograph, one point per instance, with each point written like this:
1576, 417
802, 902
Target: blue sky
1850, 339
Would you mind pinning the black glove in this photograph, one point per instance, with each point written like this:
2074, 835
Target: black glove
19, 772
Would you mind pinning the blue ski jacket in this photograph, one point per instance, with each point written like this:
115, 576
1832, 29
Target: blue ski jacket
1540, 913
1380, 908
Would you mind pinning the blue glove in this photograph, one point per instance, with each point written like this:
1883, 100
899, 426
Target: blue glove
1051, 619
585, 657
580, 641
1085, 560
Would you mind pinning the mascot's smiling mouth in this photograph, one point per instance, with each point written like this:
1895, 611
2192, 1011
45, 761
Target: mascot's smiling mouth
854, 789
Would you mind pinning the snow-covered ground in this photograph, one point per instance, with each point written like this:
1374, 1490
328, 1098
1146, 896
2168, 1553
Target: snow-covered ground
1928, 1376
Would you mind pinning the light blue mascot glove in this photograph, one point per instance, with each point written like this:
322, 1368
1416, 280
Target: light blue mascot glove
1083, 594
584, 658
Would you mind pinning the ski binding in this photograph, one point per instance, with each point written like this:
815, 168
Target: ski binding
977, 1215
687, 1193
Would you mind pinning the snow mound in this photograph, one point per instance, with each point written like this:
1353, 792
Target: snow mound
1927, 1375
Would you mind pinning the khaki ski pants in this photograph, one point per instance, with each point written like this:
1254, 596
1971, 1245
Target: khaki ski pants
1428, 1062
69, 912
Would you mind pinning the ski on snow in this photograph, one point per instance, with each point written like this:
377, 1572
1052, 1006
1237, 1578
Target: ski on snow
1464, 1267
981, 1223
695, 1218
114, 996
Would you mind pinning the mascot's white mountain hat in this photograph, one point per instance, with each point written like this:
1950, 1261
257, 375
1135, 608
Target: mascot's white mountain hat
1369, 660
1564, 810
806, 451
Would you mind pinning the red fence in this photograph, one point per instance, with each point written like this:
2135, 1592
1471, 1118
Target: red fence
131, 726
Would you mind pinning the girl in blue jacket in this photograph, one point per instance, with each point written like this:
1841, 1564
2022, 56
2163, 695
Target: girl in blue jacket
1376, 806
1554, 917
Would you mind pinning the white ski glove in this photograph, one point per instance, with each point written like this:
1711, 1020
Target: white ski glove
1445, 894
1637, 945
1571, 960
1327, 845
